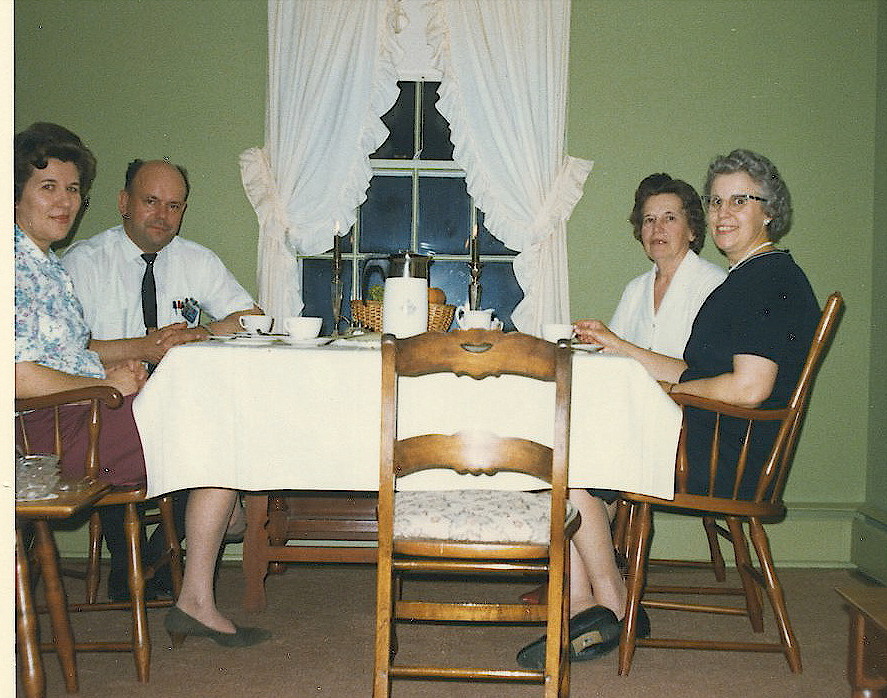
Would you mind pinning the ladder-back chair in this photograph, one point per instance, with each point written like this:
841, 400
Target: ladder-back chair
409, 540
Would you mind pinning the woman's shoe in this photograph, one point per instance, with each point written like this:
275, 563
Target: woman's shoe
594, 633
589, 627
179, 625
597, 650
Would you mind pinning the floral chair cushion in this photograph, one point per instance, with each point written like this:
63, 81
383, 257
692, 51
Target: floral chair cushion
476, 516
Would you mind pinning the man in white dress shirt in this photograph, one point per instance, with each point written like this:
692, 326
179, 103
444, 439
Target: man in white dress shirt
143, 283
108, 270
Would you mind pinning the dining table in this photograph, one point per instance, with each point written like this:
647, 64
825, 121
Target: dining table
259, 414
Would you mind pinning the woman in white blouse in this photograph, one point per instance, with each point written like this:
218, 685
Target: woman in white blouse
658, 307
656, 312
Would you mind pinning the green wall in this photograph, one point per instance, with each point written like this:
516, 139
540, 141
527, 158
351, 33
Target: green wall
655, 85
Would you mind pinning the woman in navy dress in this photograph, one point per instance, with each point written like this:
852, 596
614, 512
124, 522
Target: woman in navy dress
747, 347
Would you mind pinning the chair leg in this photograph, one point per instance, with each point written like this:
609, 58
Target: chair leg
753, 605
384, 623
56, 603
278, 512
255, 552
620, 526
30, 661
563, 677
639, 537
173, 548
141, 640
94, 559
717, 560
774, 591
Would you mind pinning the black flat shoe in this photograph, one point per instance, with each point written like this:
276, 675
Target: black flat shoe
594, 633
179, 625
598, 650
588, 628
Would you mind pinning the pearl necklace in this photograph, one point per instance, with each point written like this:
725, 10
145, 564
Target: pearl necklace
749, 255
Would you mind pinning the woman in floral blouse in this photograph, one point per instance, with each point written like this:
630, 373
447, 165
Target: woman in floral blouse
54, 352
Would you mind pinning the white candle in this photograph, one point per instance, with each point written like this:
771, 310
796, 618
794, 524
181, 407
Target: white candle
337, 250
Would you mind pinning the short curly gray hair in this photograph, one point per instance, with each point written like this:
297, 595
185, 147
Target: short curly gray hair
764, 173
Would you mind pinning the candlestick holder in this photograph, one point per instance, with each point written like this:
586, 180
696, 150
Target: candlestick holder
474, 286
336, 283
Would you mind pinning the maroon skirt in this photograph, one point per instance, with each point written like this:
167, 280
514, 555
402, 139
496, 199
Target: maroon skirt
121, 461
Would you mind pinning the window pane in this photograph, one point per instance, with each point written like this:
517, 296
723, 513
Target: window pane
444, 215
499, 289
385, 217
436, 143
399, 120
317, 276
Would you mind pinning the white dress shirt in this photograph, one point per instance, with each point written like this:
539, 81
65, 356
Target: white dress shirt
667, 330
107, 270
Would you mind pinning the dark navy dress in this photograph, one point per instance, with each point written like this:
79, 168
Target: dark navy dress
765, 307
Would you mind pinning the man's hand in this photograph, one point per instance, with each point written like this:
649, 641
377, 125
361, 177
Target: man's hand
159, 341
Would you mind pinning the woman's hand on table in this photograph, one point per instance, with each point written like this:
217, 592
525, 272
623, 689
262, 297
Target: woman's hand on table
127, 376
596, 332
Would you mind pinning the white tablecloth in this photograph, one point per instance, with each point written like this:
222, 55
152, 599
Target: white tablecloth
284, 417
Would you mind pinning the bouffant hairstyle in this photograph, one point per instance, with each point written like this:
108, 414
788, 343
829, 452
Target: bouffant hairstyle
778, 206
42, 140
662, 183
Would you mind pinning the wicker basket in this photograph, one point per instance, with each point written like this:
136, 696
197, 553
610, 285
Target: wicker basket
369, 315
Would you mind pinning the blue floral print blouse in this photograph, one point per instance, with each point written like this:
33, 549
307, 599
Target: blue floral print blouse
49, 325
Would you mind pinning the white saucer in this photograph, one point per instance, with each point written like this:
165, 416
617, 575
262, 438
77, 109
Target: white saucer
252, 341
586, 347
312, 342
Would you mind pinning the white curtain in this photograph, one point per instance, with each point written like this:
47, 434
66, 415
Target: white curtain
504, 93
330, 79
503, 90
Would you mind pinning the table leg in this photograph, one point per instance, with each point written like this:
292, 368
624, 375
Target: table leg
57, 603
862, 685
255, 551
31, 664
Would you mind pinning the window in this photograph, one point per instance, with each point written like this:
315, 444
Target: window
417, 201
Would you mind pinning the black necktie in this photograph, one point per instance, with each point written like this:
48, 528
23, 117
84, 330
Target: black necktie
149, 292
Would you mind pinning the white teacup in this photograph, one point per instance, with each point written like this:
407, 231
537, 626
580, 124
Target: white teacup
476, 319
255, 324
553, 331
302, 327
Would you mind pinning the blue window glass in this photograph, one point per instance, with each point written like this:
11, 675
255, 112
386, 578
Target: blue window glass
444, 215
386, 215
435, 132
399, 122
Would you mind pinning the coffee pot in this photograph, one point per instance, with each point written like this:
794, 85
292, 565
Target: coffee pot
405, 308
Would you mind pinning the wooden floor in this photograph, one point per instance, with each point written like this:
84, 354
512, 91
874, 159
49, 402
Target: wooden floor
322, 620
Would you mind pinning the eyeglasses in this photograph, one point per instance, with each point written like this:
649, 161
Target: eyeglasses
734, 202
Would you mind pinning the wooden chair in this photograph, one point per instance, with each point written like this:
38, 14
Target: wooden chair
407, 543
131, 497
38, 514
765, 505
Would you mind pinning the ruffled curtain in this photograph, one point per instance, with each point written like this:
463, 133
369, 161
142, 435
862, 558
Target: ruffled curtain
330, 79
504, 93
503, 90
